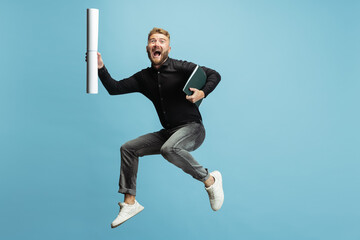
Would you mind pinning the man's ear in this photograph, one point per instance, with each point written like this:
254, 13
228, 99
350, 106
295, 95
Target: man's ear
169, 49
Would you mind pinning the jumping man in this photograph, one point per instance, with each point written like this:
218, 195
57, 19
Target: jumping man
183, 130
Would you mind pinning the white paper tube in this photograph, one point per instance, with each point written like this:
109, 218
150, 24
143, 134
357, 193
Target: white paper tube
92, 49
92, 73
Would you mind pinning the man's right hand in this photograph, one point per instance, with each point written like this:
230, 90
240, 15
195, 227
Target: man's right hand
100, 61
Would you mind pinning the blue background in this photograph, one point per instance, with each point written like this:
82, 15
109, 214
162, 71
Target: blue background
282, 126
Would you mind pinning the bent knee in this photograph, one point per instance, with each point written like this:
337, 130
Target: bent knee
166, 151
126, 147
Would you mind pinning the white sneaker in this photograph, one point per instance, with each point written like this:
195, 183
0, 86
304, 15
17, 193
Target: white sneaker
126, 212
216, 192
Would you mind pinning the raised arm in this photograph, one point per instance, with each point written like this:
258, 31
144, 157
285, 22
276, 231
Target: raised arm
114, 87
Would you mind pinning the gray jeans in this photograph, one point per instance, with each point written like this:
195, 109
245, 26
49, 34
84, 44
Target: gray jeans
173, 144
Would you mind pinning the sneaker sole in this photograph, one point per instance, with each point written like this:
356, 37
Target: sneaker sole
142, 208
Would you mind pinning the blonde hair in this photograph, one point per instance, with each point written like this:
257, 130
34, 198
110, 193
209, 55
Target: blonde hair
159, 30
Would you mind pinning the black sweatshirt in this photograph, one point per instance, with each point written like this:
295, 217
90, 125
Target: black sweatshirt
163, 87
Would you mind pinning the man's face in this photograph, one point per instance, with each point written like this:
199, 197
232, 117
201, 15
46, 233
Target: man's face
158, 49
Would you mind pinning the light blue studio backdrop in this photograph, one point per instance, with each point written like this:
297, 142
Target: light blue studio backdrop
282, 126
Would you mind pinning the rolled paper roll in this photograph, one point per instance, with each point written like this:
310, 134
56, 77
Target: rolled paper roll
92, 49
92, 73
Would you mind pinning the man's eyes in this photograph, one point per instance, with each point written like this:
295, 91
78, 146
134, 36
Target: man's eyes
162, 41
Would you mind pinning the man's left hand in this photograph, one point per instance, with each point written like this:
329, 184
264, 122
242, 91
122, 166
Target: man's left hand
196, 96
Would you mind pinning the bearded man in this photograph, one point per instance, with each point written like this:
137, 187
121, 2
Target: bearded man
183, 130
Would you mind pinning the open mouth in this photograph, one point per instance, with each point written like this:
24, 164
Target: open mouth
157, 54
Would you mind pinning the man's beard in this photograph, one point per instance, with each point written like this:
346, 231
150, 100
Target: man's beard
160, 60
